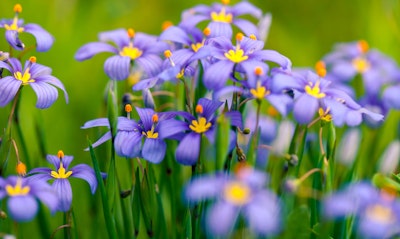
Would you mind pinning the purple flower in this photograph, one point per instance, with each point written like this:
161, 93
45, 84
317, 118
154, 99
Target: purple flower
14, 26
222, 17
245, 55
377, 213
37, 76
61, 176
243, 194
152, 128
22, 196
140, 48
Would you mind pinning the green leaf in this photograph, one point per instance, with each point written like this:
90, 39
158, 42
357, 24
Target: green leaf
222, 141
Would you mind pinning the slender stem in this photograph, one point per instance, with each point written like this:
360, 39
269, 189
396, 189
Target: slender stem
13, 108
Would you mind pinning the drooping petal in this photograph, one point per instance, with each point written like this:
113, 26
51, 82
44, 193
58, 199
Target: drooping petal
22, 208
119, 37
305, 108
221, 218
46, 194
15, 64
150, 63
145, 84
107, 136
243, 8
86, 173
154, 150
175, 34
96, 123
13, 39
217, 74
8, 89
274, 56
5, 66
64, 193
127, 143
44, 40
46, 94
89, 50
188, 150
117, 67
39, 174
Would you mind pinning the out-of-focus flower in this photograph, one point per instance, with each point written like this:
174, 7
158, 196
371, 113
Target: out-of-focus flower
36, 75
61, 176
14, 26
23, 194
222, 17
239, 194
390, 158
130, 47
348, 146
377, 212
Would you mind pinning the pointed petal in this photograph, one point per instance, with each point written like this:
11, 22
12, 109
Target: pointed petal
86, 173
89, 50
96, 123
66, 160
188, 150
154, 150
5, 66
145, 116
54, 160
209, 106
44, 40
13, 39
46, 94
274, 56
55, 82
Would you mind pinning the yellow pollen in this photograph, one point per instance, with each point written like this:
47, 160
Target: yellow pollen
154, 118
21, 169
259, 92
324, 115
199, 109
32, 59
150, 134
200, 126
320, 68
131, 52
128, 108
60, 154
17, 190
131, 33
314, 91
25, 78
363, 46
166, 24
253, 37
380, 213
221, 16
17, 8
258, 71
197, 46
236, 55
61, 173
237, 193
272, 111
360, 64
180, 74
207, 31
239, 36
225, 2
167, 54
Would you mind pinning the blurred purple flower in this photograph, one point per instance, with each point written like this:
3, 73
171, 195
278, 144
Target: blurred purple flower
139, 48
14, 26
242, 193
377, 212
61, 177
37, 76
22, 196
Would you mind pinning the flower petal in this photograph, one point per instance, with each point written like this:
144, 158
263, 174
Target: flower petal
188, 150
89, 50
127, 143
150, 63
22, 208
86, 173
145, 116
202, 188
13, 39
175, 34
217, 74
246, 27
221, 218
64, 193
9, 87
154, 150
96, 123
117, 67
44, 40
305, 108
55, 82
46, 94
119, 37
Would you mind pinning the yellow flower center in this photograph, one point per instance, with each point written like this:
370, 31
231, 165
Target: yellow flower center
14, 26
131, 52
200, 126
61, 172
180, 74
25, 78
236, 55
324, 115
221, 16
151, 134
237, 193
197, 46
360, 64
259, 92
380, 213
17, 190
314, 91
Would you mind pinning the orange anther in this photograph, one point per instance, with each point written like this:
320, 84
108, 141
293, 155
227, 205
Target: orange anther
258, 71
131, 33
154, 118
167, 54
207, 31
128, 108
166, 24
32, 59
253, 37
17, 8
60, 154
21, 169
199, 109
320, 68
363, 46
239, 36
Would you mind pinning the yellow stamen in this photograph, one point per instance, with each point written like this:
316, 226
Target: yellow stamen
324, 115
253, 37
17, 190
221, 16
154, 118
180, 74
21, 169
131, 33
380, 213
237, 193
258, 71
360, 64
61, 173
17, 8
166, 24
199, 109
239, 36
131, 52
320, 68
314, 91
259, 92
236, 55
200, 126
167, 54
197, 46
207, 31
151, 134
363, 46
25, 78
60, 154
14, 26
128, 108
